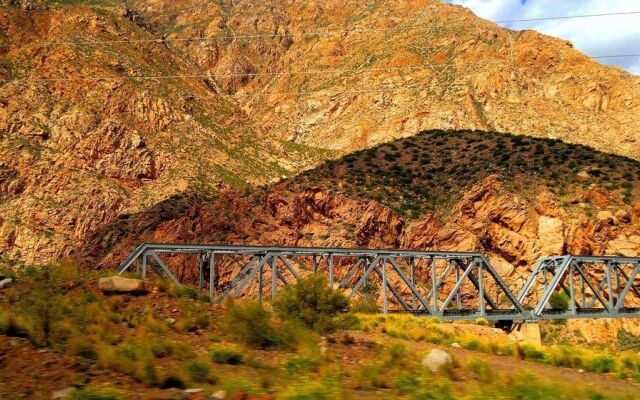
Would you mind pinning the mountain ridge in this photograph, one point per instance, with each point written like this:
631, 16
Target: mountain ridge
76, 154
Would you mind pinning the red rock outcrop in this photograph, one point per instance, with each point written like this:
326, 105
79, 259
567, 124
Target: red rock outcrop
514, 232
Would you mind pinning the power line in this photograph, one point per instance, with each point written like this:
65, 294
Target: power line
258, 74
617, 56
251, 36
568, 17
279, 74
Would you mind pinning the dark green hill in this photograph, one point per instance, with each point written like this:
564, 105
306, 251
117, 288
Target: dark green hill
434, 168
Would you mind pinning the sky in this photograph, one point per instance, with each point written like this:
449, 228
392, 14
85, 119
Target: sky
596, 36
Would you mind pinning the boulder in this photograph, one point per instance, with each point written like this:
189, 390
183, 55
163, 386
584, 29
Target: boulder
5, 282
623, 216
436, 360
219, 395
121, 285
583, 176
63, 393
606, 217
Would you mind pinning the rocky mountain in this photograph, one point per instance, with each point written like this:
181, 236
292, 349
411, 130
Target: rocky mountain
348, 74
79, 144
112, 110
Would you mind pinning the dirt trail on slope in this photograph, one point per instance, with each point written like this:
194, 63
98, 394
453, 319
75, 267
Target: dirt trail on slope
605, 383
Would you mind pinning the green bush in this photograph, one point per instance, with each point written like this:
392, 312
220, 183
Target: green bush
93, 394
324, 390
312, 302
559, 300
364, 306
296, 365
252, 324
199, 370
600, 363
12, 326
531, 352
226, 356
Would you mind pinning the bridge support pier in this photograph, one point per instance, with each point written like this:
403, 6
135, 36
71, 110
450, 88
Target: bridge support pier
526, 332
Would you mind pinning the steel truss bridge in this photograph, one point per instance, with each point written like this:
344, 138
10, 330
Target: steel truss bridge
448, 285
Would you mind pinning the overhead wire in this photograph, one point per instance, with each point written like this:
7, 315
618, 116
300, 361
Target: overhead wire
252, 36
279, 74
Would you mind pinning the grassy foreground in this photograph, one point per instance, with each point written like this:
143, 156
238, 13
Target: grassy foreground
306, 344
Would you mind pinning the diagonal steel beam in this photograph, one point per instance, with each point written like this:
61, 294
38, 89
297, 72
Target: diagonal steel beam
481, 291
599, 289
558, 275
595, 292
256, 270
457, 286
392, 289
238, 277
413, 289
503, 286
633, 287
289, 267
541, 266
350, 273
630, 284
164, 269
366, 273
438, 282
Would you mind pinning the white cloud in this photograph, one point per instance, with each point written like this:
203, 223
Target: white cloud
595, 36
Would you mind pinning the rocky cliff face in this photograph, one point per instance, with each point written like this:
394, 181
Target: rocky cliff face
346, 74
514, 232
79, 145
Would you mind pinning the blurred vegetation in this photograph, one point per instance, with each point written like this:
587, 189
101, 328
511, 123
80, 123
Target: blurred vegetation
434, 168
626, 365
268, 348
313, 303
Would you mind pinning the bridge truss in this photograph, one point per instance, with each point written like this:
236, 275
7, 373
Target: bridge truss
449, 285
593, 287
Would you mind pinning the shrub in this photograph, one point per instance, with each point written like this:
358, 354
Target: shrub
11, 325
174, 291
192, 317
226, 356
364, 306
326, 389
297, 365
559, 300
480, 368
198, 370
531, 352
312, 302
93, 394
251, 323
600, 363
173, 380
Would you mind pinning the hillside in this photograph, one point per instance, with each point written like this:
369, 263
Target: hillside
348, 74
514, 199
433, 169
110, 109
80, 343
75, 152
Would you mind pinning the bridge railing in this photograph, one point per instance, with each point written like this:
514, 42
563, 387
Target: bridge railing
449, 285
